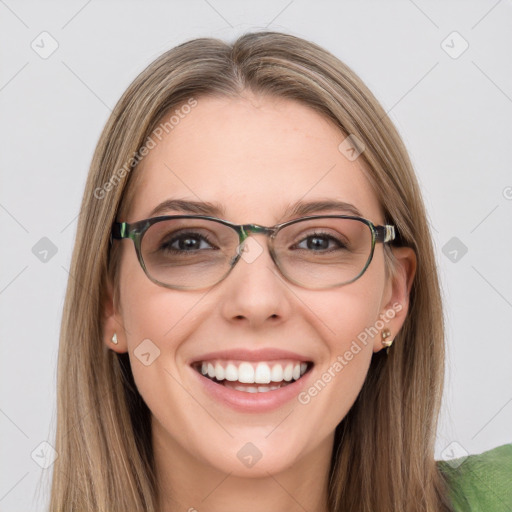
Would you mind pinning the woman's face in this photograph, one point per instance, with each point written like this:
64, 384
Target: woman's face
254, 157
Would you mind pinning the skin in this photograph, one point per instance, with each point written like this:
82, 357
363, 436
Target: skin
255, 156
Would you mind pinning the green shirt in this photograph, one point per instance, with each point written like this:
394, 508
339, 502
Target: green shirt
481, 483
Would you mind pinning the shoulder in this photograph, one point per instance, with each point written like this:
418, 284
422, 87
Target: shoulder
481, 482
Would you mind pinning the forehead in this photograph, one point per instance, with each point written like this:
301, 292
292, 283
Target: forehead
255, 157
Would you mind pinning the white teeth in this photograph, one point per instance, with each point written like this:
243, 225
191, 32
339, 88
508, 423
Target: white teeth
262, 374
288, 371
231, 372
219, 371
277, 373
254, 373
246, 373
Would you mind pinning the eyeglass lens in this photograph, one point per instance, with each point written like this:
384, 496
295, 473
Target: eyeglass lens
315, 253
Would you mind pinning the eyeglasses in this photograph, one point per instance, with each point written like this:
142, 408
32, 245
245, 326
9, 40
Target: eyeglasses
187, 252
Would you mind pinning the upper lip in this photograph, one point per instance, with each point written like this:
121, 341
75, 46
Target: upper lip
242, 354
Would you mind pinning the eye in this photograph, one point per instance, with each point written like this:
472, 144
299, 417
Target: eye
320, 242
186, 242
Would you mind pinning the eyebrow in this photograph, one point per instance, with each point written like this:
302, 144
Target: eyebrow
212, 209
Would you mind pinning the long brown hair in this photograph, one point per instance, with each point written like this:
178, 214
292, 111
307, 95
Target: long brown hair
383, 457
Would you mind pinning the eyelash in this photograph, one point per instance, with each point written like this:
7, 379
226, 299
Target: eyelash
166, 246
327, 236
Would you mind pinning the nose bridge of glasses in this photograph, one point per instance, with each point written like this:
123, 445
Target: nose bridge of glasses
252, 251
248, 229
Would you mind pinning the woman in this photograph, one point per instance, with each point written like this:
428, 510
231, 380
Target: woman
274, 338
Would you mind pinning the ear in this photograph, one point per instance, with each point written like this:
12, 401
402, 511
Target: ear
396, 295
112, 322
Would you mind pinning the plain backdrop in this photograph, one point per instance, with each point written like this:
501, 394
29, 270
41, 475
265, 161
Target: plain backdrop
440, 69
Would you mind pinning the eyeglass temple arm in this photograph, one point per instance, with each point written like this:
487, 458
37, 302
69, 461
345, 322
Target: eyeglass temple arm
385, 233
120, 230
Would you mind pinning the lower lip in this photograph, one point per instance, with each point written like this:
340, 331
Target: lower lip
244, 401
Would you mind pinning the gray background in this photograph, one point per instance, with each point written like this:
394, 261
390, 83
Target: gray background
452, 108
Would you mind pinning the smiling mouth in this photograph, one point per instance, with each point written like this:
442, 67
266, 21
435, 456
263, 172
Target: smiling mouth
253, 377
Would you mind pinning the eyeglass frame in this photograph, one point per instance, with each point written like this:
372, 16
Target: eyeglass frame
136, 230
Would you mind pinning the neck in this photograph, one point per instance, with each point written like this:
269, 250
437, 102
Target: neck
188, 484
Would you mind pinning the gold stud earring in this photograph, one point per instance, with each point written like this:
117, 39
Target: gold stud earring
114, 339
386, 333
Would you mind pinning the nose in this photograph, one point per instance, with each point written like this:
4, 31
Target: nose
254, 292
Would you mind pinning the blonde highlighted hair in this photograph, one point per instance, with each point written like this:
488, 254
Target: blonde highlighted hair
383, 457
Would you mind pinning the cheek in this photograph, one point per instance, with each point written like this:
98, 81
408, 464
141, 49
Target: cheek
348, 315
150, 311
160, 315
157, 321
349, 341
340, 376
154, 320
346, 321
